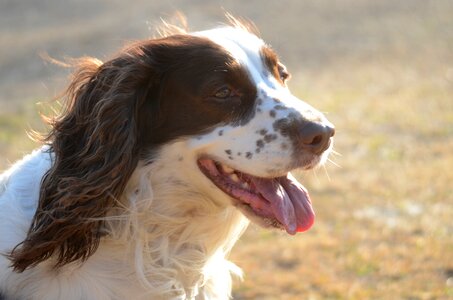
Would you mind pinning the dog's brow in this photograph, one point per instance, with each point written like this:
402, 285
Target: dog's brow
270, 60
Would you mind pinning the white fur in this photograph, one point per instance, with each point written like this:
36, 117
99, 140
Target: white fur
173, 230
245, 48
155, 249
178, 256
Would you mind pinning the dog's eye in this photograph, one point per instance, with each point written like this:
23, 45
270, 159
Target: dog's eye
284, 74
223, 93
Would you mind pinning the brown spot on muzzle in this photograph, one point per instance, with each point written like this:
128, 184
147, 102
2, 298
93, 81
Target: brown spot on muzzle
262, 131
272, 113
280, 107
282, 126
260, 143
270, 137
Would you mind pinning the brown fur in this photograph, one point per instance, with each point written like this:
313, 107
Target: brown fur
277, 69
96, 151
152, 92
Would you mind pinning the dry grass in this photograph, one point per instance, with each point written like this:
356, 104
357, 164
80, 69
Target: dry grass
383, 71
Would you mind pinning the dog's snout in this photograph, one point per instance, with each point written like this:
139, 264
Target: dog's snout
315, 137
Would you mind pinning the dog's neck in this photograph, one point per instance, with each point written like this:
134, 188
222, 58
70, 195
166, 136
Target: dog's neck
178, 234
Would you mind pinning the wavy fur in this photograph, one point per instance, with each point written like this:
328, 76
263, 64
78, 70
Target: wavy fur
115, 205
94, 188
95, 152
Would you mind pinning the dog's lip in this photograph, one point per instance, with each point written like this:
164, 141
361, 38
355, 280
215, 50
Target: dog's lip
281, 201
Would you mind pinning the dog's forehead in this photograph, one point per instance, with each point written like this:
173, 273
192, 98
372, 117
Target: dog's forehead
251, 53
242, 45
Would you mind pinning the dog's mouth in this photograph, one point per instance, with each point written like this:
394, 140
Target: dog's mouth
281, 202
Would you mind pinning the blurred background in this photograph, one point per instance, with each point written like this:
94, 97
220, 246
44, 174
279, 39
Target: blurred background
382, 71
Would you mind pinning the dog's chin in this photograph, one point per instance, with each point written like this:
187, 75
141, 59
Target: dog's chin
272, 202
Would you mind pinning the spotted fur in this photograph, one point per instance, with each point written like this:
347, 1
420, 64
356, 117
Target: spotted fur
114, 205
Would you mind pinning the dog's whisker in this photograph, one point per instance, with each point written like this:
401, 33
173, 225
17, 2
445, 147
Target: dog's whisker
316, 175
327, 173
336, 153
334, 163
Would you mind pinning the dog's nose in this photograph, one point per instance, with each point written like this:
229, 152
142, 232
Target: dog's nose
315, 137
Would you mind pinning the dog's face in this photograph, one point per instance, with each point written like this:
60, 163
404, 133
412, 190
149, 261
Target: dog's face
278, 132
246, 131
216, 100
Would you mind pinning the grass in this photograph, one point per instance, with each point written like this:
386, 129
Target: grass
383, 73
14, 129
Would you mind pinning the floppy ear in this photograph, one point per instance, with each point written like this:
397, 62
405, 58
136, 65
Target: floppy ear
96, 149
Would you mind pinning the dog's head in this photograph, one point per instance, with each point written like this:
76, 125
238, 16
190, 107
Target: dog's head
272, 133
223, 92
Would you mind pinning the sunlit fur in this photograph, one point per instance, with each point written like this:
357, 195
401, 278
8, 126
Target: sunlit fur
150, 245
177, 259
146, 225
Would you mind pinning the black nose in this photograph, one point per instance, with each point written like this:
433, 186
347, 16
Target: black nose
315, 137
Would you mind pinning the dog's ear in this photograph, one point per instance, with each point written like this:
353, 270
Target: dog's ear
96, 149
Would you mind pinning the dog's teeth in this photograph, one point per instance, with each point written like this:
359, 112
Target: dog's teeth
245, 185
227, 169
234, 177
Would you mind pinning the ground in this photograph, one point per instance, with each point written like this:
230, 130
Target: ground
383, 73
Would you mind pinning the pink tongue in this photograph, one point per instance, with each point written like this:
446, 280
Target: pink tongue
289, 202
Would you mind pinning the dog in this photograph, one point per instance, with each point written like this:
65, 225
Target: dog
152, 171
